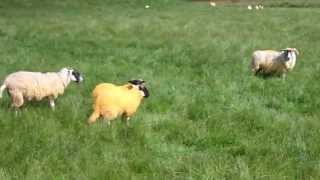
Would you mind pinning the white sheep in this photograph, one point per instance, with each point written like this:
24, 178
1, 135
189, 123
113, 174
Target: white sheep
25, 85
213, 4
268, 62
260, 6
111, 101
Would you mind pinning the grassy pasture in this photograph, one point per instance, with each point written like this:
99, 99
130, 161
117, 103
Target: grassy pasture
268, 3
207, 117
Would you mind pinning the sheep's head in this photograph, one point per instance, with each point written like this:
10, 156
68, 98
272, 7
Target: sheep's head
288, 51
142, 88
73, 74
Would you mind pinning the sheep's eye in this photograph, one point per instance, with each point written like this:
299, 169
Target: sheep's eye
75, 74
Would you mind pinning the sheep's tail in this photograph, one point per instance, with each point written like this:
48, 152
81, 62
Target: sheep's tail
2, 88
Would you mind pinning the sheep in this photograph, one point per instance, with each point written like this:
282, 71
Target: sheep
111, 101
26, 86
268, 62
213, 4
261, 7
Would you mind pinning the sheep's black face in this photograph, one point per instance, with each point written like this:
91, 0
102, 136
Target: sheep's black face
140, 84
76, 76
286, 54
144, 90
290, 53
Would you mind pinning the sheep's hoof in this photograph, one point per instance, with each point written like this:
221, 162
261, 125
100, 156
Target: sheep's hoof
283, 76
107, 120
16, 112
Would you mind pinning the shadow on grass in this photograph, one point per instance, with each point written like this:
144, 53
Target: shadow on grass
267, 76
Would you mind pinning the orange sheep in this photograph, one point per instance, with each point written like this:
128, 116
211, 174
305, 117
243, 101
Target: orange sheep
111, 101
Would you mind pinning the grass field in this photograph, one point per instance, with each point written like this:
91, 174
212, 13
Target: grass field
207, 116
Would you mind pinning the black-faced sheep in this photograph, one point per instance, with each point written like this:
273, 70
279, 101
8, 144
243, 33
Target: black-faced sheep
270, 62
25, 85
111, 101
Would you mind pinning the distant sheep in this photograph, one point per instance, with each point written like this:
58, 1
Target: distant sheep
269, 62
213, 4
24, 85
111, 101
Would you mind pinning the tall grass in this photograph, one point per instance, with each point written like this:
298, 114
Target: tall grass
207, 117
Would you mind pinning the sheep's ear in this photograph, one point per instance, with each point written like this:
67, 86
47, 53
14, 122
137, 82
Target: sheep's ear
136, 81
286, 51
296, 51
132, 82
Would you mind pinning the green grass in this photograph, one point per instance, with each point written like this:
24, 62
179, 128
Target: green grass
207, 116
291, 3
268, 3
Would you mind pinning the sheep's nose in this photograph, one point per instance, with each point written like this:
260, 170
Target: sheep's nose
80, 79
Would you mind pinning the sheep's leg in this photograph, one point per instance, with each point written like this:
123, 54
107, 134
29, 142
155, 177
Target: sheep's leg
126, 117
16, 101
283, 76
108, 122
256, 70
93, 118
109, 115
127, 121
52, 104
16, 111
2, 88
